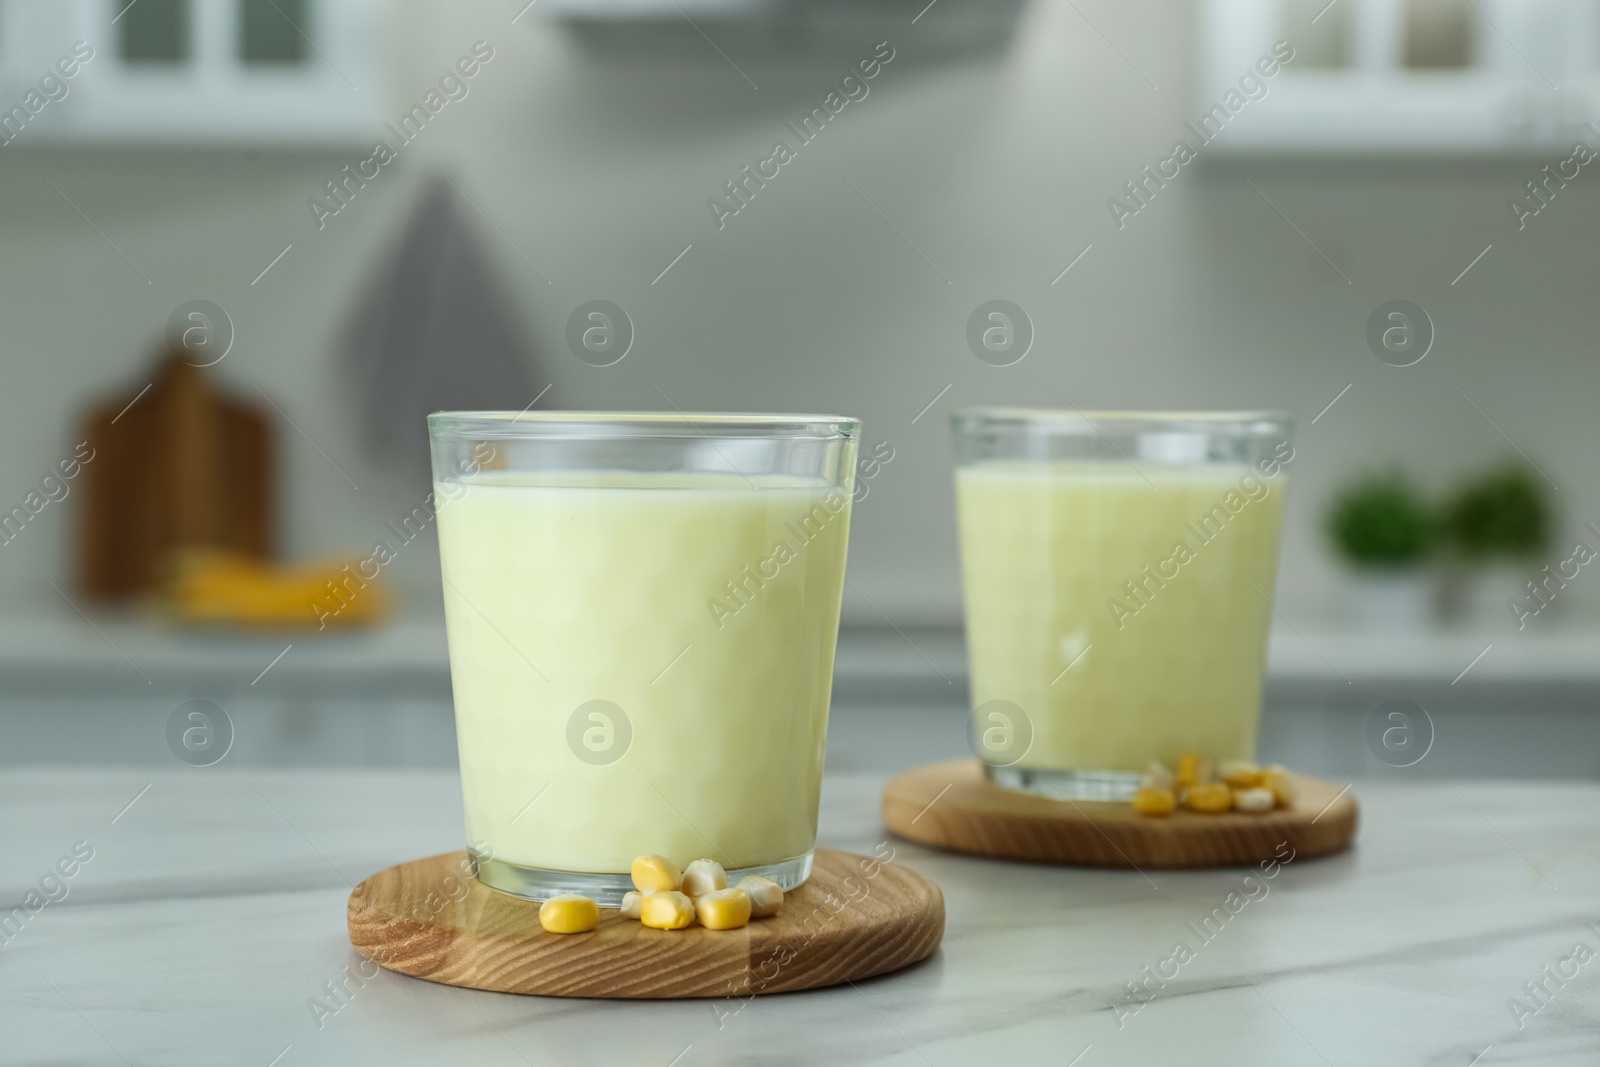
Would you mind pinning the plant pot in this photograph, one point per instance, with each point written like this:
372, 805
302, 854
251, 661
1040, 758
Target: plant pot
1494, 585
1401, 598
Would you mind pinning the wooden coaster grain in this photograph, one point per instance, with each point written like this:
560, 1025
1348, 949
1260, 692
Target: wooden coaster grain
854, 918
953, 806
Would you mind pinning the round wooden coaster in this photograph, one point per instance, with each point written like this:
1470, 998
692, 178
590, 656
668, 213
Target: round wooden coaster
854, 918
952, 806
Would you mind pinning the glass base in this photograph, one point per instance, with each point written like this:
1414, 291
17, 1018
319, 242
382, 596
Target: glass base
606, 890
1067, 785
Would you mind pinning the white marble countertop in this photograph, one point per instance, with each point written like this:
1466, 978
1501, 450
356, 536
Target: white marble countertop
212, 914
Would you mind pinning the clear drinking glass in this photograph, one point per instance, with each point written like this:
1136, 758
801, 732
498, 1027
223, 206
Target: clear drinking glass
642, 612
1118, 570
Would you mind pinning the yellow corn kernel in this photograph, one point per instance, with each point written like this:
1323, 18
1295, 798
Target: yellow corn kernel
704, 876
569, 913
723, 909
1240, 774
1154, 800
655, 873
1193, 769
1256, 801
766, 897
666, 910
1282, 784
632, 902
1209, 797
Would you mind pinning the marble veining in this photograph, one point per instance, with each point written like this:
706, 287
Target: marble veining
210, 922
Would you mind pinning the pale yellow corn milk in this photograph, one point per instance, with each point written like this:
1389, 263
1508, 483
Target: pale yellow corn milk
1163, 660
705, 608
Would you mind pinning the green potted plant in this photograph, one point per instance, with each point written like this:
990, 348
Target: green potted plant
1386, 530
1496, 527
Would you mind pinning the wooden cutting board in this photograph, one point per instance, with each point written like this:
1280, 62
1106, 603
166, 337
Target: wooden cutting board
953, 806
854, 918
177, 464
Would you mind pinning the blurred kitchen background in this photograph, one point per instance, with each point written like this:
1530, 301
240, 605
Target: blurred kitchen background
225, 309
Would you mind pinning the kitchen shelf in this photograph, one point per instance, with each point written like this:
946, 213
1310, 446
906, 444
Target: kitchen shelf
63, 654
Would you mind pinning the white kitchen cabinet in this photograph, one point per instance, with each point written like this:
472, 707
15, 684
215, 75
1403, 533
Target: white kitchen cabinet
254, 72
1405, 78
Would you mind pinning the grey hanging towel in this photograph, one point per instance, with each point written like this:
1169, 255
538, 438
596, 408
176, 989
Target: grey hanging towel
433, 334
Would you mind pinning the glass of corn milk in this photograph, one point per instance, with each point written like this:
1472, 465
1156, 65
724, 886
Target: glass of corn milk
642, 611
1118, 572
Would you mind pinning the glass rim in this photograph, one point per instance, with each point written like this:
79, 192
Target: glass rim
666, 424
1063, 419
